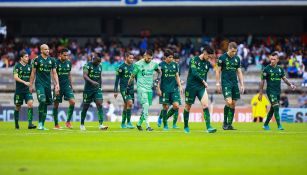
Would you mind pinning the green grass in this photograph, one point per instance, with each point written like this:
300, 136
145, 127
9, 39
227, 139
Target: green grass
249, 150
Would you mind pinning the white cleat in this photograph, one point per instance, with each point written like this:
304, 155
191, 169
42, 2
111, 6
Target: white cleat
82, 128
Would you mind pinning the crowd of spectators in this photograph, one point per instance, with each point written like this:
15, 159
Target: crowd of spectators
252, 50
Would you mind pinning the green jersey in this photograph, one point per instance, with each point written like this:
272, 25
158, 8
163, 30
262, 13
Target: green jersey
63, 69
23, 72
94, 73
168, 78
123, 74
43, 69
229, 68
273, 76
144, 73
198, 70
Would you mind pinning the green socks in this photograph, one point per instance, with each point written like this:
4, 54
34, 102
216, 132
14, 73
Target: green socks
164, 116
170, 113
226, 113
100, 115
231, 115
16, 118
83, 115
70, 112
186, 118
128, 115
276, 114
41, 110
55, 116
269, 117
124, 116
175, 118
30, 115
207, 117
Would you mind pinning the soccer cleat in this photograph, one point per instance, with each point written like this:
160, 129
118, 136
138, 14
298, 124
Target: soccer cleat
31, 126
17, 127
40, 126
266, 127
159, 122
230, 127
186, 130
45, 129
280, 128
225, 127
68, 125
165, 128
57, 126
149, 129
175, 126
123, 126
130, 126
139, 128
102, 127
82, 128
211, 130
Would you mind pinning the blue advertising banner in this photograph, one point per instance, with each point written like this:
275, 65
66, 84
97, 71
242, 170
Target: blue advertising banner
296, 115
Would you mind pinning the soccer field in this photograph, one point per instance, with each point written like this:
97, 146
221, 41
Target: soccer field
248, 150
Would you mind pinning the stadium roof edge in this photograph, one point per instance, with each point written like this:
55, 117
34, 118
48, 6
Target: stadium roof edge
149, 3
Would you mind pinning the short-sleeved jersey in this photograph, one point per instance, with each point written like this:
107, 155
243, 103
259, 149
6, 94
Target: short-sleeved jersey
43, 70
144, 73
94, 73
168, 78
24, 73
229, 67
123, 74
63, 70
273, 76
198, 70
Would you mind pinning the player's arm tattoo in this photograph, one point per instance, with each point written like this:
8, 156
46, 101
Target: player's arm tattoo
286, 80
131, 79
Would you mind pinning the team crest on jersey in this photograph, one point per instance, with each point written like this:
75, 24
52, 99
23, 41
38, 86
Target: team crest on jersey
68, 65
236, 61
119, 70
279, 70
49, 62
264, 74
220, 61
174, 66
28, 69
206, 66
36, 63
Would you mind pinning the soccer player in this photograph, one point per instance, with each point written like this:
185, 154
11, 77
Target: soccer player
196, 87
22, 72
230, 67
63, 68
144, 72
42, 66
123, 74
273, 74
92, 91
169, 89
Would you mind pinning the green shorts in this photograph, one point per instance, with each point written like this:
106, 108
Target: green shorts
127, 96
20, 97
170, 98
274, 99
66, 92
90, 96
231, 91
44, 94
191, 94
145, 97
